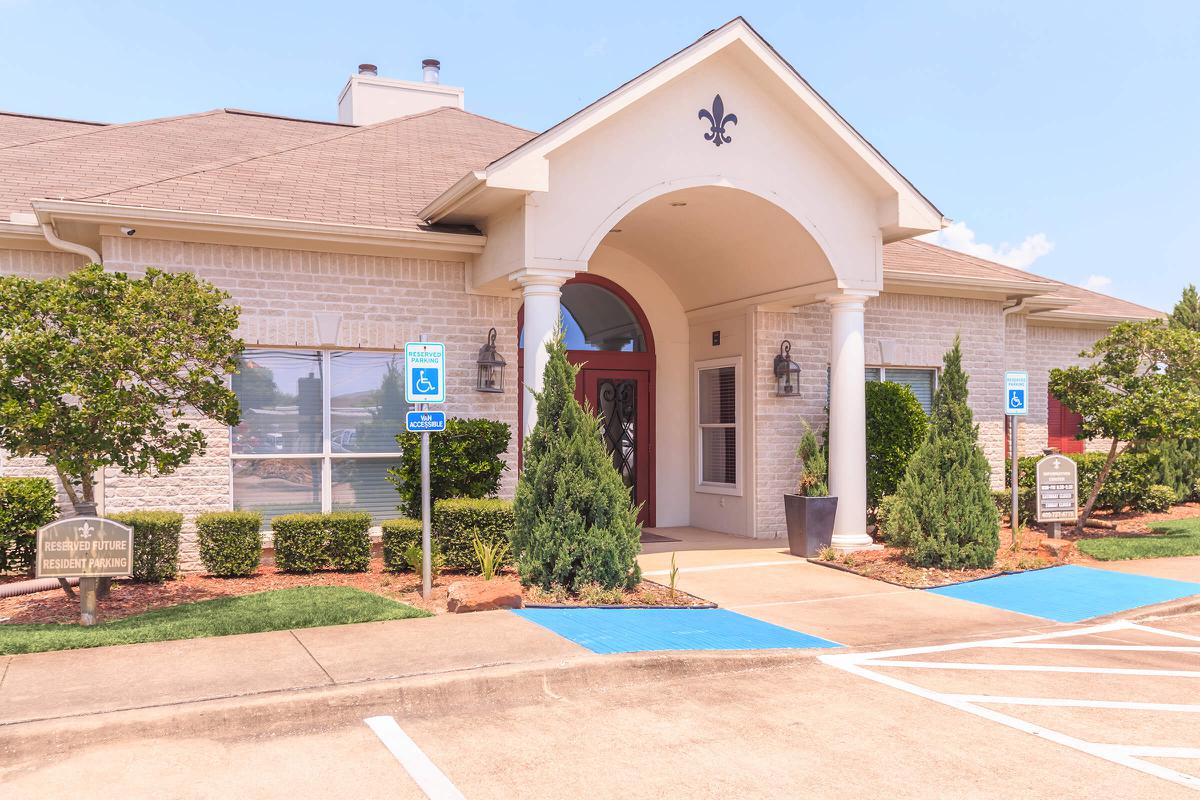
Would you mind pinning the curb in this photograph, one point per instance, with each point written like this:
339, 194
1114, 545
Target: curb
289, 712
1171, 608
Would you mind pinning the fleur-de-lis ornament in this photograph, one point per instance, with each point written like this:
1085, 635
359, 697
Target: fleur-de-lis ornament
717, 120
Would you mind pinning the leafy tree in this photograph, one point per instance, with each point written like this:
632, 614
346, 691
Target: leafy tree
943, 513
98, 369
1143, 386
575, 521
1177, 461
464, 461
896, 426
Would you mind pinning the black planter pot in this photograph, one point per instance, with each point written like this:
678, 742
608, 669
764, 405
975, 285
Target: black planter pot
809, 523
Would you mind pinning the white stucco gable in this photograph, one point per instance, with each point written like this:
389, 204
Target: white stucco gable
554, 199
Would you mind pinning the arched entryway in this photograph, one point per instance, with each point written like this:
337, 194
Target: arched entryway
609, 338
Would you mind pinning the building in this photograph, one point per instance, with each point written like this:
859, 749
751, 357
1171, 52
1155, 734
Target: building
687, 225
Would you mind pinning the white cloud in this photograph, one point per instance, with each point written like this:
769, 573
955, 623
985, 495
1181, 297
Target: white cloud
1097, 283
961, 238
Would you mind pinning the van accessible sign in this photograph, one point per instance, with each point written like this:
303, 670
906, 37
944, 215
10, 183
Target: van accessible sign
425, 421
1057, 489
84, 547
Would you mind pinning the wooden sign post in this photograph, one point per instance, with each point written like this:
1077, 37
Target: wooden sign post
1057, 492
88, 548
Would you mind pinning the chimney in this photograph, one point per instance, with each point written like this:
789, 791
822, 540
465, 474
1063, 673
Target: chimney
430, 68
368, 98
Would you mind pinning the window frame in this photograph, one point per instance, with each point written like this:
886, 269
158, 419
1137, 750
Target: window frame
709, 487
326, 456
937, 375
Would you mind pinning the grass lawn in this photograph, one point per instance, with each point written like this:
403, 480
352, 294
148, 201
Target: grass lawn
1179, 537
305, 607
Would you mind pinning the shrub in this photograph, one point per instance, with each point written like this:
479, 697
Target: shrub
26, 504
944, 514
1158, 498
348, 540
491, 555
457, 522
814, 470
300, 542
155, 543
398, 536
230, 542
1026, 503
464, 461
575, 521
896, 426
1174, 463
1129, 480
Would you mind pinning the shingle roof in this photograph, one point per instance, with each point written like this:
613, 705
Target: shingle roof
377, 175
915, 256
26, 127
236, 162
85, 161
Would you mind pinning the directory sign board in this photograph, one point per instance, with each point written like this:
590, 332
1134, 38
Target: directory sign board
1057, 489
84, 547
425, 421
1016, 393
425, 372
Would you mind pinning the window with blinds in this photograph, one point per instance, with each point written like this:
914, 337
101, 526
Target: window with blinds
718, 418
923, 382
318, 431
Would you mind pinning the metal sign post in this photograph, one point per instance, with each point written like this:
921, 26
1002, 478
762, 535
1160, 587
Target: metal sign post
1016, 405
88, 548
424, 383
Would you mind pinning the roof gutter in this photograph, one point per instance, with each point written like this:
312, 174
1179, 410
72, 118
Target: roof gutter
1015, 308
71, 247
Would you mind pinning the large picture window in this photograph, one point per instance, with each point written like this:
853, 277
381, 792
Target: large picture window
718, 414
318, 431
922, 381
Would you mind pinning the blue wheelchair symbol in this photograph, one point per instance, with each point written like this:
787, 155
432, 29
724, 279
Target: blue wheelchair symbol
1016, 398
425, 381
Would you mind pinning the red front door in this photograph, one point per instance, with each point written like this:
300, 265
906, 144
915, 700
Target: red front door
621, 398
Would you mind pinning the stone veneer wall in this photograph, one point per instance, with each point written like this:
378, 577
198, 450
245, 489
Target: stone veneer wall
38, 264
901, 330
384, 302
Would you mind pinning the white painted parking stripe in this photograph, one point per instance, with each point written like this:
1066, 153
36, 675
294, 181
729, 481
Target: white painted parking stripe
1129, 755
1145, 648
1158, 673
1055, 702
424, 772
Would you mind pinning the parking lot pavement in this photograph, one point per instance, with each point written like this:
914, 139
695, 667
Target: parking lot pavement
1121, 691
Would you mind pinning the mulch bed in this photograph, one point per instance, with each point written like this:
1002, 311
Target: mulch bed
128, 598
889, 564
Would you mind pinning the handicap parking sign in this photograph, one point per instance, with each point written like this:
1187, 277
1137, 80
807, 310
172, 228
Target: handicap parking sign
424, 372
1016, 392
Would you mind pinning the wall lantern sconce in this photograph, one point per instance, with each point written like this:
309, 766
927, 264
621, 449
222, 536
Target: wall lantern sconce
491, 367
787, 372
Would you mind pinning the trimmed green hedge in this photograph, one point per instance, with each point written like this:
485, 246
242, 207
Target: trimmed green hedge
309, 542
1158, 498
348, 540
26, 504
230, 542
454, 525
155, 543
1128, 484
398, 536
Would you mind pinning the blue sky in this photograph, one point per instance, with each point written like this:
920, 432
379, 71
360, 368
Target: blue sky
1062, 136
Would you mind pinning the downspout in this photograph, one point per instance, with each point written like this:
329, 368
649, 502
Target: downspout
1014, 308
71, 247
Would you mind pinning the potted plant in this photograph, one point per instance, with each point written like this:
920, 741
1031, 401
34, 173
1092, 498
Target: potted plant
810, 511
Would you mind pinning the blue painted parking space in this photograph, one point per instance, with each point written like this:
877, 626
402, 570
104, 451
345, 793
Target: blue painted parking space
634, 630
1070, 593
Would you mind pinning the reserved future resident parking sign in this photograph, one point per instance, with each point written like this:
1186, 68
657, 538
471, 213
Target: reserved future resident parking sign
425, 372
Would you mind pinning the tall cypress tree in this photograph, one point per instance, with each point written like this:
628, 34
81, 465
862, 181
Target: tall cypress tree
1176, 462
575, 521
944, 515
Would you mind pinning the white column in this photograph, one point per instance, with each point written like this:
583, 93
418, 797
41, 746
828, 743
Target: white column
542, 291
848, 421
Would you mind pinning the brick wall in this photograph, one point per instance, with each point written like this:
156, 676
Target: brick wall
901, 330
1049, 347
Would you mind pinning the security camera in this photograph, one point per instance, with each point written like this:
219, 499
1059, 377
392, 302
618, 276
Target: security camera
128, 231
